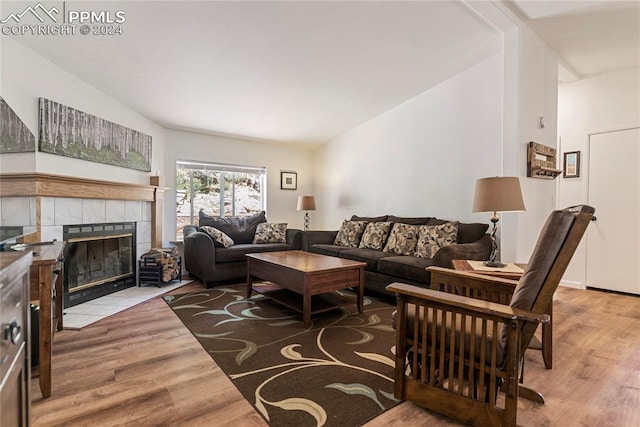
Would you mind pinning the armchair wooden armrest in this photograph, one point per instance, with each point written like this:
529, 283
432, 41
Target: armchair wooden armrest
473, 285
481, 307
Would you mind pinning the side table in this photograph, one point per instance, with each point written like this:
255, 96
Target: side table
546, 346
46, 277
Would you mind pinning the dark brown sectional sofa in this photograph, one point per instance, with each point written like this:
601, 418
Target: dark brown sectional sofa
384, 268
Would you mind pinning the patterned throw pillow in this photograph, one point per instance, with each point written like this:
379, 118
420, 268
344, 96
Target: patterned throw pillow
433, 237
271, 232
350, 233
375, 235
403, 239
219, 238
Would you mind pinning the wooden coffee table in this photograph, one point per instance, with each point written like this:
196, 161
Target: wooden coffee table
315, 277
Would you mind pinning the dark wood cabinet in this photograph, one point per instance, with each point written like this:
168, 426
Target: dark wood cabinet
15, 348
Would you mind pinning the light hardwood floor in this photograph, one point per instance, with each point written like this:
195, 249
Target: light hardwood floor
143, 367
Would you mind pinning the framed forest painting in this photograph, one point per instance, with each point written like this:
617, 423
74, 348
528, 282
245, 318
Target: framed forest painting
15, 136
68, 132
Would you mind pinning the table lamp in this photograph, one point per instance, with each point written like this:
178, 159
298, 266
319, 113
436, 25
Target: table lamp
306, 203
497, 194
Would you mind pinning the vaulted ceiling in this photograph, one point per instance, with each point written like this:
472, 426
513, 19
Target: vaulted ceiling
297, 72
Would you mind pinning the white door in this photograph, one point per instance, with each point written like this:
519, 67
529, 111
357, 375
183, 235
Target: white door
613, 240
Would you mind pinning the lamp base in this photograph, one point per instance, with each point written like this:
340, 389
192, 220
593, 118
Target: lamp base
494, 264
306, 221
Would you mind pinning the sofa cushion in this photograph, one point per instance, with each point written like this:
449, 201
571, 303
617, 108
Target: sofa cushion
433, 237
410, 220
375, 235
402, 240
239, 252
331, 250
467, 232
369, 218
370, 256
350, 233
406, 267
220, 240
239, 229
270, 232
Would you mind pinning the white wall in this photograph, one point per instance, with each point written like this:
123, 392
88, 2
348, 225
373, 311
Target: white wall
26, 76
281, 204
421, 158
537, 96
606, 102
424, 156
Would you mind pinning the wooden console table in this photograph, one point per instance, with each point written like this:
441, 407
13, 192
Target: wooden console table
546, 346
46, 277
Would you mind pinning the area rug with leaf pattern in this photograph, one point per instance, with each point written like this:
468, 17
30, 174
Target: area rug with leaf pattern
339, 372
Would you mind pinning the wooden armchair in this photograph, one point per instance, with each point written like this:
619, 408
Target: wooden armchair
462, 342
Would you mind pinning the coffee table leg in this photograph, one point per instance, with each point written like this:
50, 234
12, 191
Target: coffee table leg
361, 292
306, 308
249, 280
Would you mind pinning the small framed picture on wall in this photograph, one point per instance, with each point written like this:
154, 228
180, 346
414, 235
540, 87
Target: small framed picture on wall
571, 164
289, 180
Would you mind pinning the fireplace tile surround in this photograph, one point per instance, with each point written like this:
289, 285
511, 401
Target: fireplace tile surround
46, 202
41, 206
56, 212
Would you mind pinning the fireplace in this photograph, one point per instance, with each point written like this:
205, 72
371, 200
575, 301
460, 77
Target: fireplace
99, 260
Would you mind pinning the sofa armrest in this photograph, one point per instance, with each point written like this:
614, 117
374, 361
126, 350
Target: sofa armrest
310, 238
199, 254
294, 238
189, 229
479, 250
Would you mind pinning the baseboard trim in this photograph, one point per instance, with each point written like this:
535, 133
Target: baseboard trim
572, 284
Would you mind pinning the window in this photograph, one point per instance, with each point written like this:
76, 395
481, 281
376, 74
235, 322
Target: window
217, 189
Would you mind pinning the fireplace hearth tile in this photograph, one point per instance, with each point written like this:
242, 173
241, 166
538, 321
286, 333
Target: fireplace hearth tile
76, 319
93, 309
79, 321
112, 299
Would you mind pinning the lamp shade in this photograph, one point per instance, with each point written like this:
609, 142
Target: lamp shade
306, 203
498, 194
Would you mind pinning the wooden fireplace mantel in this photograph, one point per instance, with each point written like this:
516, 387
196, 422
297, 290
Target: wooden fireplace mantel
48, 185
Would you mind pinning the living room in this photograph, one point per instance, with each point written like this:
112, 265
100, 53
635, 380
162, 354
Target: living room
418, 156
